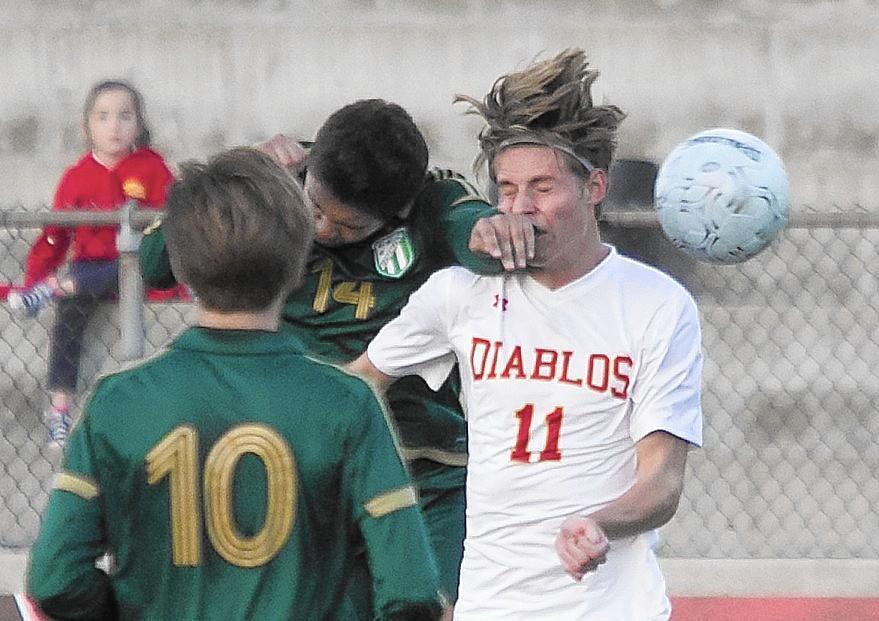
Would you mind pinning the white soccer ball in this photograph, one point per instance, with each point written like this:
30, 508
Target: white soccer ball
722, 195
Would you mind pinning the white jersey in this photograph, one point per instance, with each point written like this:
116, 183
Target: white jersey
558, 385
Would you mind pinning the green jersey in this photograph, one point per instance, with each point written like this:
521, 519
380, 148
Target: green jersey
231, 477
352, 291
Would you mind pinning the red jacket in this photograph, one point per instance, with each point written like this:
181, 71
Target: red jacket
89, 185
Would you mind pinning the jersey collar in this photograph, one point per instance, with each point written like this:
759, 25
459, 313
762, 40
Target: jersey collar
590, 279
239, 342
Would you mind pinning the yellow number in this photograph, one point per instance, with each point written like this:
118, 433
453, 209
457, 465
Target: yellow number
219, 474
322, 297
346, 292
362, 298
176, 456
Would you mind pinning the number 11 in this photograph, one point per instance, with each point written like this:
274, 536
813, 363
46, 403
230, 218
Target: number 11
550, 450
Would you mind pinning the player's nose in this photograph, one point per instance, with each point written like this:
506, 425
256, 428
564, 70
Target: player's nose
522, 203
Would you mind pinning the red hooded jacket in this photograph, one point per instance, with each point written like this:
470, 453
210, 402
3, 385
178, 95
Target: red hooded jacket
89, 185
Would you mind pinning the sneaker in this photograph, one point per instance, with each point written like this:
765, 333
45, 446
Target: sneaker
29, 302
58, 422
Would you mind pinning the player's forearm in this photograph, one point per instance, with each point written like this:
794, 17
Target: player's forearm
405, 578
459, 226
61, 574
639, 510
654, 497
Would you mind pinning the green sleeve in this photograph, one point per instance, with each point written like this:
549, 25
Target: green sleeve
460, 207
404, 574
154, 262
62, 576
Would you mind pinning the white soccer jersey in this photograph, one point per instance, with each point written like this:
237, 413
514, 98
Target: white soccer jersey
557, 386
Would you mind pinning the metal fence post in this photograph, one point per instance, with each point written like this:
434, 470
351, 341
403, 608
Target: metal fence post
131, 289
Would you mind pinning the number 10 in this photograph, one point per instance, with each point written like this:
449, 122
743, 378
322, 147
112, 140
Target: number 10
550, 450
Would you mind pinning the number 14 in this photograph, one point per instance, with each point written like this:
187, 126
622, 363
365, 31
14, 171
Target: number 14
550, 450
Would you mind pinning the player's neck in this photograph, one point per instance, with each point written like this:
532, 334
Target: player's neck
569, 268
268, 320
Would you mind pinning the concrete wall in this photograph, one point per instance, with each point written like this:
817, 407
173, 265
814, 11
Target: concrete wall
220, 72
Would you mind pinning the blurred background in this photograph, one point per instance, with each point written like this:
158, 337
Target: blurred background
800, 74
789, 467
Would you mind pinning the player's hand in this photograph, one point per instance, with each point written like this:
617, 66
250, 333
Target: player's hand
581, 545
284, 150
505, 236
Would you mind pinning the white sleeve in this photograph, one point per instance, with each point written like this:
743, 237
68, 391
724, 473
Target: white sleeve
417, 341
667, 393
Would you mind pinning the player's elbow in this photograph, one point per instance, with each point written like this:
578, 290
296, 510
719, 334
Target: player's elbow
666, 511
666, 502
363, 367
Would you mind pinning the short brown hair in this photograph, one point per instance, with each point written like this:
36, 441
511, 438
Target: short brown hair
238, 229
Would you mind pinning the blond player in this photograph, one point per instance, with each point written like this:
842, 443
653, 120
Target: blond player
581, 377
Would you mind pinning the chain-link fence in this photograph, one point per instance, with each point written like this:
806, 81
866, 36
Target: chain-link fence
790, 393
115, 333
791, 389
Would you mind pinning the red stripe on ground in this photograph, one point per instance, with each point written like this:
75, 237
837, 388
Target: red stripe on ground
774, 609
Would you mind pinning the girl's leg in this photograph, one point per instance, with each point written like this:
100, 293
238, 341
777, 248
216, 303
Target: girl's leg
65, 350
80, 290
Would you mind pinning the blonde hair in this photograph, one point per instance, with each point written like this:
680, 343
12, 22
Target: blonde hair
548, 103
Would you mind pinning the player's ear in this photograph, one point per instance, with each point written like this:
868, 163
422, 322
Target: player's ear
595, 186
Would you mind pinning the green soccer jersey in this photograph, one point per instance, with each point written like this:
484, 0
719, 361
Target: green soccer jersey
231, 477
352, 291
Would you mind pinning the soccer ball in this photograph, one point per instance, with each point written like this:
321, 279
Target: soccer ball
722, 195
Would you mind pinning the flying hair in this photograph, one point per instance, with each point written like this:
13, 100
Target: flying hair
548, 103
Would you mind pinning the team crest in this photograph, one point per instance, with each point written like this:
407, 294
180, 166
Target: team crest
132, 188
394, 253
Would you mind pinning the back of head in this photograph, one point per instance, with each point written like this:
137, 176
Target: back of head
548, 103
371, 156
238, 230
